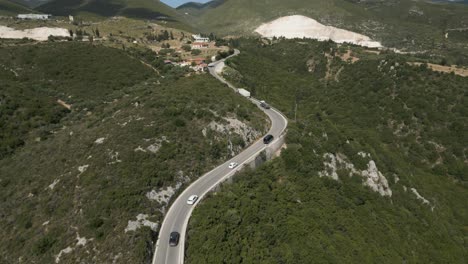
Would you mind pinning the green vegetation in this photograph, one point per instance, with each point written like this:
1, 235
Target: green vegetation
8, 8
404, 24
35, 77
96, 9
410, 120
86, 172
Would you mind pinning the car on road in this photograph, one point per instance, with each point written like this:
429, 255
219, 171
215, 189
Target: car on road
267, 139
232, 165
192, 199
174, 239
211, 65
264, 105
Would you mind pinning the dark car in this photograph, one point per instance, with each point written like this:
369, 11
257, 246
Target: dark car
174, 239
267, 139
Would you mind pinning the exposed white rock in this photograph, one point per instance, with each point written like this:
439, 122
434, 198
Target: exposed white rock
363, 154
52, 185
298, 26
234, 126
397, 179
114, 156
139, 149
141, 221
420, 197
40, 33
330, 167
117, 257
83, 168
63, 251
372, 176
46, 223
376, 180
153, 148
99, 141
163, 195
81, 241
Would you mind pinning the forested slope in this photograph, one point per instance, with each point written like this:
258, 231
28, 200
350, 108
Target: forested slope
404, 24
88, 179
375, 168
12, 8
98, 9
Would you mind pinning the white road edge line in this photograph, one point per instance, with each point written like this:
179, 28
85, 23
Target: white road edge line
228, 175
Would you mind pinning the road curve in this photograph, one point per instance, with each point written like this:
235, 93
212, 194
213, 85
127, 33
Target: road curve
179, 213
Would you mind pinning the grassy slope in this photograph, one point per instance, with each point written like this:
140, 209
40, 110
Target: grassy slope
48, 73
411, 120
115, 97
8, 8
393, 22
95, 9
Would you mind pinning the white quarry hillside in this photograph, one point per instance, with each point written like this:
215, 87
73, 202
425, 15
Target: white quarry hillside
41, 33
304, 27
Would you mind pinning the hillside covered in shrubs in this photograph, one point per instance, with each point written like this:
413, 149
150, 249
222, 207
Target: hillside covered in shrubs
375, 168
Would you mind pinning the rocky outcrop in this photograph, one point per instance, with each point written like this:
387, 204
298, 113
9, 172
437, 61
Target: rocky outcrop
372, 177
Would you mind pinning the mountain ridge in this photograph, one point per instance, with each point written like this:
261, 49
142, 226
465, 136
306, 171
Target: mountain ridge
12, 8
142, 9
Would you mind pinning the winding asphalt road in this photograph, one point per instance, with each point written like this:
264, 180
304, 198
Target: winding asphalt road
179, 213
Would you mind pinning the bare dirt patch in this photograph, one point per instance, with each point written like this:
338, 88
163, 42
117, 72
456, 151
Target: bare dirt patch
41, 33
349, 57
446, 69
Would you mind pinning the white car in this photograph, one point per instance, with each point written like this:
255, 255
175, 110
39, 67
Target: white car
232, 165
192, 199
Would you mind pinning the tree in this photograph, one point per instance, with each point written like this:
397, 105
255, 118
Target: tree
443, 62
196, 52
98, 34
172, 36
186, 48
71, 32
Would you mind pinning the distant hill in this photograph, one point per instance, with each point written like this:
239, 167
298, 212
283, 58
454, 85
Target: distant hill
30, 3
401, 23
11, 8
196, 9
121, 132
142, 9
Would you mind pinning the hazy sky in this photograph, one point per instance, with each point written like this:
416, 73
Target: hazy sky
176, 3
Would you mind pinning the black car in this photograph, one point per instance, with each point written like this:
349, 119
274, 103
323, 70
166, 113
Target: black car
267, 139
174, 239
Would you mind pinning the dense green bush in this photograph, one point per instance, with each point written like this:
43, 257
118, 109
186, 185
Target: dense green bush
34, 77
412, 122
148, 110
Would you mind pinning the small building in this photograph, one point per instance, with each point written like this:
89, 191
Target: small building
35, 16
200, 45
200, 67
198, 38
197, 61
